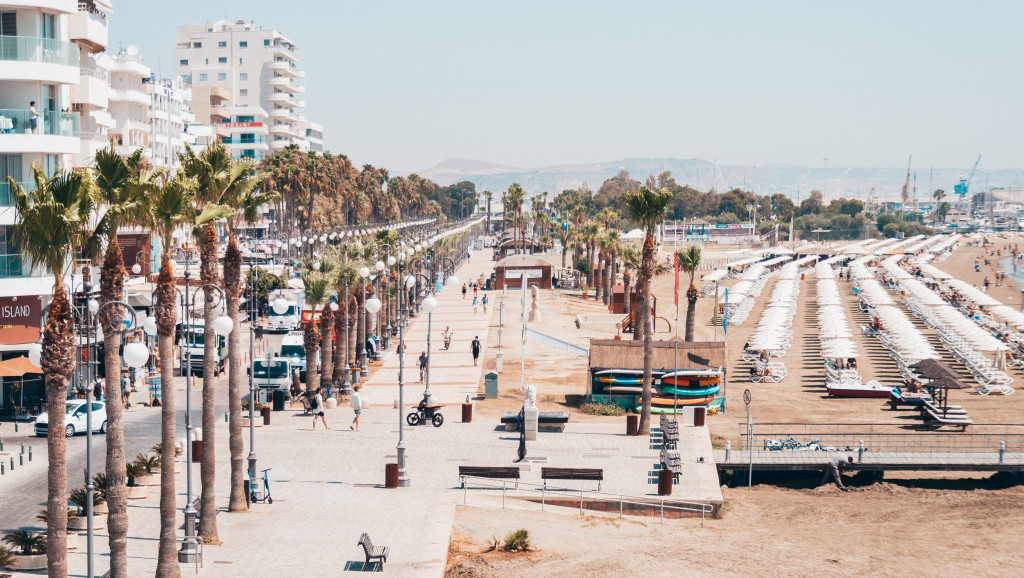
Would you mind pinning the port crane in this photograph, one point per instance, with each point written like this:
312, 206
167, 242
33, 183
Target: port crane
962, 187
905, 195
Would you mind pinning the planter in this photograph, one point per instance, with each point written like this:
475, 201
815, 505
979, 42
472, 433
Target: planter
138, 492
100, 508
72, 540
29, 562
257, 422
147, 480
80, 523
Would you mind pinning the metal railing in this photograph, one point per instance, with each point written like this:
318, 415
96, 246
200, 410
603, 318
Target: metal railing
35, 49
49, 122
657, 504
986, 438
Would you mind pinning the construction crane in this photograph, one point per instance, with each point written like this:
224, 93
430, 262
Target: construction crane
905, 196
961, 188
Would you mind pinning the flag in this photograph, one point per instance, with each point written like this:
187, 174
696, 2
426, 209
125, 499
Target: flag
725, 316
675, 264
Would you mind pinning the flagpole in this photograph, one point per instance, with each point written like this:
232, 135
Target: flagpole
675, 346
522, 362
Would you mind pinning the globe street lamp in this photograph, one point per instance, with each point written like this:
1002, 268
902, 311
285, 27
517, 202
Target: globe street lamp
429, 305
364, 272
403, 475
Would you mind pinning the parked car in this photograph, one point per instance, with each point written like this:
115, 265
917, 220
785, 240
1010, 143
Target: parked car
74, 418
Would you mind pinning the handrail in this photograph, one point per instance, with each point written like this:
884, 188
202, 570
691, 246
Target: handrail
703, 508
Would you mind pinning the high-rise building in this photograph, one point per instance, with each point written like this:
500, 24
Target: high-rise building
89, 98
129, 102
315, 135
259, 68
169, 117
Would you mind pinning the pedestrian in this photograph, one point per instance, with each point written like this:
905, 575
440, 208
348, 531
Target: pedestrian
356, 401
463, 290
97, 390
476, 288
33, 118
423, 364
484, 302
832, 471
475, 303
476, 349
318, 408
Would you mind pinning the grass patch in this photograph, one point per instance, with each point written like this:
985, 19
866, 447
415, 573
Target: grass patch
602, 409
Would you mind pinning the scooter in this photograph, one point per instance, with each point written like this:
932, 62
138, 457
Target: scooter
256, 493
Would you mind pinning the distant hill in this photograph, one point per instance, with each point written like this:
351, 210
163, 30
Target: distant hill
791, 180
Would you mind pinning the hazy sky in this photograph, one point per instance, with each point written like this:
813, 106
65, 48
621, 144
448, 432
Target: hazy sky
407, 84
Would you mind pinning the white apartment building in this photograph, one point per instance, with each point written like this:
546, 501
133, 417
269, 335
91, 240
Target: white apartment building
315, 136
89, 98
38, 62
129, 102
169, 117
247, 132
259, 68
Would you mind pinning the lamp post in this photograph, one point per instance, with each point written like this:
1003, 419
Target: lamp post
346, 384
364, 272
403, 474
253, 300
189, 550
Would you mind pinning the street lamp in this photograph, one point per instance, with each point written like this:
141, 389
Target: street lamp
364, 272
403, 475
429, 305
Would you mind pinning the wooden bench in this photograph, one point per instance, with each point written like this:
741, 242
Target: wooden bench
373, 552
593, 474
495, 472
546, 420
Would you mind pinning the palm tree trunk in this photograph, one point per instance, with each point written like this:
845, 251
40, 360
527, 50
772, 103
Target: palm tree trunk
642, 308
232, 291
208, 464
691, 310
311, 341
626, 281
609, 282
598, 281
58, 363
111, 289
565, 250
337, 373
646, 273
327, 345
167, 311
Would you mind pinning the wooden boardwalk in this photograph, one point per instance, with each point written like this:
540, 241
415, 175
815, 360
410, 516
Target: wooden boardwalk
777, 461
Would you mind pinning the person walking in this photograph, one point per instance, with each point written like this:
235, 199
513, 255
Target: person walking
484, 302
318, 408
423, 364
463, 290
833, 471
476, 349
356, 401
475, 303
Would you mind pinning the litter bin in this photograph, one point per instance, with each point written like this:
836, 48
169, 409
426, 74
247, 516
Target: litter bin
632, 424
491, 385
278, 400
467, 412
698, 415
266, 415
197, 451
390, 475
664, 483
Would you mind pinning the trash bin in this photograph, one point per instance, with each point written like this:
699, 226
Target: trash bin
699, 412
491, 385
664, 483
467, 412
278, 400
266, 415
632, 424
390, 475
197, 451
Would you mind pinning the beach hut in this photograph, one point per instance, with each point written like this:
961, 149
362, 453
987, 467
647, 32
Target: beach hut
509, 272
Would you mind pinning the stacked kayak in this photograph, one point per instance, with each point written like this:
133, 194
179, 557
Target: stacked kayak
623, 381
684, 388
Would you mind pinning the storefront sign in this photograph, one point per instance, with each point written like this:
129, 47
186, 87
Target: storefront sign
19, 319
518, 273
242, 124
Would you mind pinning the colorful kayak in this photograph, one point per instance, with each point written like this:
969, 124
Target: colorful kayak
663, 401
692, 378
625, 389
666, 408
620, 379
691, 391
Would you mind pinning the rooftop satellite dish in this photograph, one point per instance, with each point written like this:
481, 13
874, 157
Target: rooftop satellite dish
132, 50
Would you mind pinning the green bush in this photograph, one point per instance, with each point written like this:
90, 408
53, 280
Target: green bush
29, 541
602, 409
133, 471
517, 541
78, 498
148, 461
6, 557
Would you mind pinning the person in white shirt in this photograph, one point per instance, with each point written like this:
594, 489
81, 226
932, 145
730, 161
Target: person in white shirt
318, 408
33, 120
357, 406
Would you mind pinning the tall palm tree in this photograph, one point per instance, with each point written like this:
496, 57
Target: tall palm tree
565, 237
50, 224
171, 206
488, 195
317, 288
630, 262
345, 283
588, 233
610, 242
689, 261
647, 209
328, 268
122, 185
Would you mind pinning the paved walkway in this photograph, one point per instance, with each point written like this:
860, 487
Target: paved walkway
452, 375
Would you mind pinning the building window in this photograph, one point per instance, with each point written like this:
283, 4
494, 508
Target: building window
222, 60
266, 42
197, 45
247, 138
243, 44
243, 76
243, 92
244, 119
222, 76
249, 153
183, 62
222, 44
202, 76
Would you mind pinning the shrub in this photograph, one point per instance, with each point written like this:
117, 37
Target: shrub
148, 461
6, 557
157, 449
602, 409
100, 483
79, 496
245, 405
42, 515
29, 541
134, 470
517, 541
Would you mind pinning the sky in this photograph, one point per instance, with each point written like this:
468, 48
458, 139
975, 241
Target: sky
408, 84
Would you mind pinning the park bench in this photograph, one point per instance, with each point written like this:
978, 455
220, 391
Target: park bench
671, 461
546, 420
592, 474
496, 472
373, 552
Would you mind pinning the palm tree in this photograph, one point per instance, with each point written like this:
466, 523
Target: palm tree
610, 242
488, 195
327, 270
170, 207
317, 289
122, 185
345, 280
689, 261
588, 234
939, 194
630, 262
565, 237
50, 225
647, 209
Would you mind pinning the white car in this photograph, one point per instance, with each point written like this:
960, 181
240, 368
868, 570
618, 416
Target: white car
74, 418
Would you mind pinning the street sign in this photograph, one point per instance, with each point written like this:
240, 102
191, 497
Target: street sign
746, 396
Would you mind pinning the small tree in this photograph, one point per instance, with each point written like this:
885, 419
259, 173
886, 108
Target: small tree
30, 541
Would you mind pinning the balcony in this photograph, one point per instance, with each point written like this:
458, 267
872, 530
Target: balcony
222, 131
89, 30
219, 94
280, 113
55, 132
133, 96
241, 141
284, 52
91, 90
219, 112
42, 59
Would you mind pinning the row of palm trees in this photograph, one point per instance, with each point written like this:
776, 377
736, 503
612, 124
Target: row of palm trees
77, 214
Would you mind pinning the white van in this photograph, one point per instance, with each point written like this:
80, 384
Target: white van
291, 319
